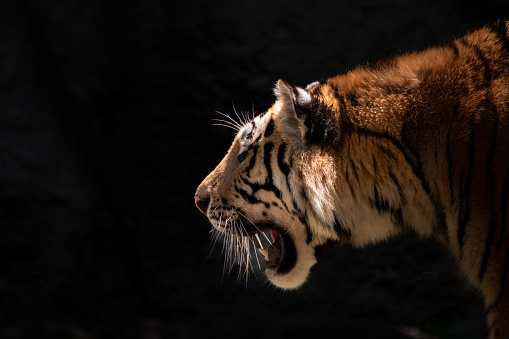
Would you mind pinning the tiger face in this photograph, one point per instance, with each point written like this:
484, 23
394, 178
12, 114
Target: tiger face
257, 192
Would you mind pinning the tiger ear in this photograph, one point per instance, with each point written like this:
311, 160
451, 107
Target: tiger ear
292, 125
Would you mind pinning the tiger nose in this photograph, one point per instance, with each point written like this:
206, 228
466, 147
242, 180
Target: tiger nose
201, 203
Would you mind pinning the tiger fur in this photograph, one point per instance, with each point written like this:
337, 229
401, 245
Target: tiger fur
419, 142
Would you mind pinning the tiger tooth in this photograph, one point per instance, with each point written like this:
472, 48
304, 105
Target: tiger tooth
258, 238
264, 252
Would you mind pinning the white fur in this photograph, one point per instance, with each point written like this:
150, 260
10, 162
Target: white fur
303, 97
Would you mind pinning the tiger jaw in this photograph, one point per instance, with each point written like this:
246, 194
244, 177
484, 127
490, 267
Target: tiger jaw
272, 247
287, 256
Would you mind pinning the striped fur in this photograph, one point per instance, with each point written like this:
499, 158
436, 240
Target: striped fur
419, 142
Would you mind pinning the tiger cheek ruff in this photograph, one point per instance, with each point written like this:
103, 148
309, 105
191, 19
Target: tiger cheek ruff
419, 142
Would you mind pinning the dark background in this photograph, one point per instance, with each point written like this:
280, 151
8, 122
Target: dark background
106, 131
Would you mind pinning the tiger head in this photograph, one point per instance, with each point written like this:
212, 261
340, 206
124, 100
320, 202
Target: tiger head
264, 183
303, 171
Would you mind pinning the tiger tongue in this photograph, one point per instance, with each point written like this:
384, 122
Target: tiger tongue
275, 235
274, 255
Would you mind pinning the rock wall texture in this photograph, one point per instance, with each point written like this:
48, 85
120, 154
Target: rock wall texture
106, 131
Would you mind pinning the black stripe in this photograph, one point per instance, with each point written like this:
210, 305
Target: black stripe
383, 206
347, 178
298, 211
505, 196
380, 203
295, 206
398, 186
267, 156
489, 240
464, 208
501, 288
493, 223
269, 129
354, 170
487, 74
309, 235
461, 204
388, 152
397, 217
303, 217
285, 169
463, 212
344, 234
449, 162
267, 186
252, 161
448, 151
486, 64
283, 166
500, 30
246, 196
491, 185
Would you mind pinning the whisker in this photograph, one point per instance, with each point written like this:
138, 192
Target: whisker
259, 241
234, 110
254, 245
227, 126
249, 265
255, 226
214, 241
230, 119
253, 111
225, 242
246, 117
238, 245
238, 253
233, 247
232, 123
226, 248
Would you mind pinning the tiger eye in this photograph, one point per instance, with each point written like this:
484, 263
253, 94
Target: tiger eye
242, 157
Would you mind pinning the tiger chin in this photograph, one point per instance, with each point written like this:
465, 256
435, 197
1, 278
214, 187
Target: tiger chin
419, 142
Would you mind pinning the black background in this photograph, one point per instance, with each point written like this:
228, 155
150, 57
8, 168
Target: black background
106, 131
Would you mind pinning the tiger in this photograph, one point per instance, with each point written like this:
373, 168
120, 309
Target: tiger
418, 142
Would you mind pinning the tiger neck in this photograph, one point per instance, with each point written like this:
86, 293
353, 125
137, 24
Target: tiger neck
382, 98
390, 106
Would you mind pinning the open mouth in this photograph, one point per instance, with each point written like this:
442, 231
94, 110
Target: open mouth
281, 254
274, 243
273, 254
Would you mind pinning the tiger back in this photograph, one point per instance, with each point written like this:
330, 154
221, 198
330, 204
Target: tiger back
419, 142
